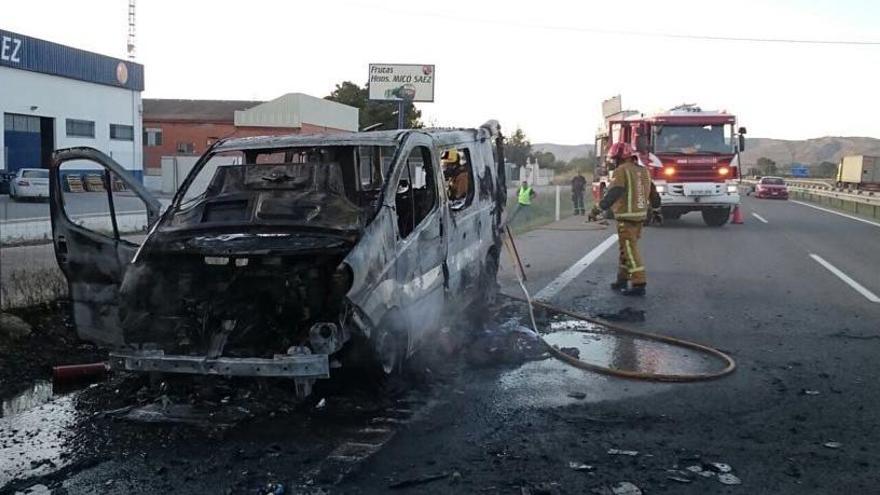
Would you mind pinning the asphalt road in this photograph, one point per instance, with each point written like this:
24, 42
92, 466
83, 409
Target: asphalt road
789, 297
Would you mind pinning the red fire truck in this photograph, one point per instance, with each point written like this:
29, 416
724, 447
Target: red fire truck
691, 154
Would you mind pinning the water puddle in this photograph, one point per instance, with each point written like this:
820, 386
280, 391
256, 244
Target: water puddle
549, 382
34, 429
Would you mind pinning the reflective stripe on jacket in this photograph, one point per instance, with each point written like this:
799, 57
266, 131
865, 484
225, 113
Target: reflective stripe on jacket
636, 182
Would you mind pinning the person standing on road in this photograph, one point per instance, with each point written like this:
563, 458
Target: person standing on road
578, 187
524, 196
629, 197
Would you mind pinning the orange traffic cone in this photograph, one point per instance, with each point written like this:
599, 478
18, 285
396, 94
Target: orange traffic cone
737, 216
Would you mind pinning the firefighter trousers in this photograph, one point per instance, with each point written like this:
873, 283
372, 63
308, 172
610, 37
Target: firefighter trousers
631, 267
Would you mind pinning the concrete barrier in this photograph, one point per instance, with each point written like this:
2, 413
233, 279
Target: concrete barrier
28, 230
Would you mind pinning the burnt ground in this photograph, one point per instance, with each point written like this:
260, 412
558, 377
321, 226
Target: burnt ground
798, 416
52, 342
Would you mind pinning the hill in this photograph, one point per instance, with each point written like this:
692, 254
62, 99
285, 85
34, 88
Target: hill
808, 151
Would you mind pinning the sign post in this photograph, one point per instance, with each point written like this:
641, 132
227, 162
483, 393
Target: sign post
403, 83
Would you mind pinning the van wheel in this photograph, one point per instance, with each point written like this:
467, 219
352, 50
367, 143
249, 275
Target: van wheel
488, 283
716, 217
390, 344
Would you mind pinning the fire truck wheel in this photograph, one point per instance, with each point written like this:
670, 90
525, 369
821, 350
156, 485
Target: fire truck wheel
716, 217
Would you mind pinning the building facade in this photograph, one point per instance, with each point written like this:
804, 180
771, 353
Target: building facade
188, 127
55, 96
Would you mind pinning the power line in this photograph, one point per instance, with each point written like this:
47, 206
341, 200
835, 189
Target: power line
648, 34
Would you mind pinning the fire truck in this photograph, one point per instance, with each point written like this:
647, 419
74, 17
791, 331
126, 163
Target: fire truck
691, 155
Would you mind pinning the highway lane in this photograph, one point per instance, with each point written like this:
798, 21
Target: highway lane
751, 290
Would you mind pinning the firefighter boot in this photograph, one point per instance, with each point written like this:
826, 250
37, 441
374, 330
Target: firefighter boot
619, 285
635, 290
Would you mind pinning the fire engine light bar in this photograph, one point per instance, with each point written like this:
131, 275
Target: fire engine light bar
668, 171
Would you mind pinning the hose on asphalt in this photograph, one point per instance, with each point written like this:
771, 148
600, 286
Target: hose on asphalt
730, 364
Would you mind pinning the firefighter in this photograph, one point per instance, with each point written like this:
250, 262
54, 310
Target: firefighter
630, 197
455, 173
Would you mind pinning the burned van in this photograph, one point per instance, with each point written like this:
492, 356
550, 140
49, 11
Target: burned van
281, 256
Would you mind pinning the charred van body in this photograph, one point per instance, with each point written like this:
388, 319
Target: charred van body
278, 254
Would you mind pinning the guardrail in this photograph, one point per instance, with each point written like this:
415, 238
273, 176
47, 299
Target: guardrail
865, 203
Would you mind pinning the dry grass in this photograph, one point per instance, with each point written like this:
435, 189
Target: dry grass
24, 288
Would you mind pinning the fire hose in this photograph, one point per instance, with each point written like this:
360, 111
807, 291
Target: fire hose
730, 364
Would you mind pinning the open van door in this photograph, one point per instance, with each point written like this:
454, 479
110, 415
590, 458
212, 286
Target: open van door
99, 213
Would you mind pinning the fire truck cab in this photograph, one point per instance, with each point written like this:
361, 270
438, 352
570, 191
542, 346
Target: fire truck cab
690, 153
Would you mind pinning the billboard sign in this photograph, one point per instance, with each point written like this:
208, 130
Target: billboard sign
394, 82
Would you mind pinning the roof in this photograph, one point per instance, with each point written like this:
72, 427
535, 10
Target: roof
217, 111
295, 109
371, 138
37, 55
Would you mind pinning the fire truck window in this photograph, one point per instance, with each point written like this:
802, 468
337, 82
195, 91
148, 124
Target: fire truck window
416, 191
458, 172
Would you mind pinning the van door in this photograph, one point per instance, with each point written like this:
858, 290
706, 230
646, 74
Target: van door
470, 210
99, 213
420, 244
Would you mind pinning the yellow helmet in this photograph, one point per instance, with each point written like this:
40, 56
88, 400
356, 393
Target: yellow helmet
449, 156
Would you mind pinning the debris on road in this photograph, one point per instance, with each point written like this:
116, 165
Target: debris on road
622, 488
274, 489
321, 403
729, 479
623, 452
579, 466
73, 372
679, 476
571, 351
577, 395
810, 392
418, 481
720, 467
627, 314
832, 445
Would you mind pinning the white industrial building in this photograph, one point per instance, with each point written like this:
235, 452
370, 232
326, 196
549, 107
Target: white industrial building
55, 96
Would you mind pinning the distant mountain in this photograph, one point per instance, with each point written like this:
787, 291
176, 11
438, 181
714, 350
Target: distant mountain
808, 151
564, 152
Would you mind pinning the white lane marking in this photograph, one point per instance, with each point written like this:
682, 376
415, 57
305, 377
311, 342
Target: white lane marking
574, 270
759, 217
842, 276
875, 224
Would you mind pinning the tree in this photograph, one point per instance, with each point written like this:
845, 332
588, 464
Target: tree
584, 164
517, 148
767, 166
373, 112
826, 169
545, 159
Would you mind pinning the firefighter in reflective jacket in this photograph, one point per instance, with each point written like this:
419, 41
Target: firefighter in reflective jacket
630, 197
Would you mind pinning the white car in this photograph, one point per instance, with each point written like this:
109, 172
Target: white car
29, 183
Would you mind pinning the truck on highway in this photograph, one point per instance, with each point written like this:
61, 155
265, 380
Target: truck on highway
859, 172
690, 153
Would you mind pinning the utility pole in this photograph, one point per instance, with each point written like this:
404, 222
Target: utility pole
131, 31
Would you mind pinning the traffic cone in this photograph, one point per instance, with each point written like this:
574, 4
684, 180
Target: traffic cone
737, 216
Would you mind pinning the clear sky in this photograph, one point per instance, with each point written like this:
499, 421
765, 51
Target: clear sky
544, 66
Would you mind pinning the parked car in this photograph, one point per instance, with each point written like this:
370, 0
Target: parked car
771, 187
29, 183
5, 179
281, 255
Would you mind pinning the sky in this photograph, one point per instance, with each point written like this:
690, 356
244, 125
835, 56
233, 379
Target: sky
542, 66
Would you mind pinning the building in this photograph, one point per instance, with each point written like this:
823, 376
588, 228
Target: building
55, 96
188, 127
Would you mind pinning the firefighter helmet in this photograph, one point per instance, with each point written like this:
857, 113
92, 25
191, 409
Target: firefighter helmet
620, 151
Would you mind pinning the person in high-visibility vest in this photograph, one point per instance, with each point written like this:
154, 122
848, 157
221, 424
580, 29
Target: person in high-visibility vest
630, 196
524, 196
